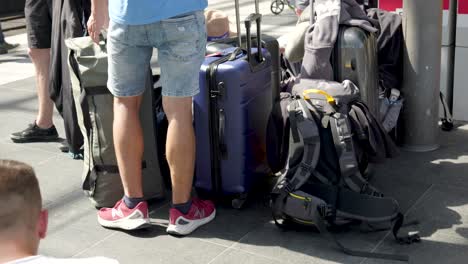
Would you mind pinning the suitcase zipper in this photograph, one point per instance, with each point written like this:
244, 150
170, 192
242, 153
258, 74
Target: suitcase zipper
213, 94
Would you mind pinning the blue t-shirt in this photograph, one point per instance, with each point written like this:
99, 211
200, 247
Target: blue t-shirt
140, 12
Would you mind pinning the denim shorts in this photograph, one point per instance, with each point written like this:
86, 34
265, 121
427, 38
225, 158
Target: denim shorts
181, 48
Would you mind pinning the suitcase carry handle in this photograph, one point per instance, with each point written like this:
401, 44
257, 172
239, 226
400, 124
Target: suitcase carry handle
221, 132
312, 12
248, 24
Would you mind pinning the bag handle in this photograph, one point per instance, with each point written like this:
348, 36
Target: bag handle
102, 38
248, 23
329, 98
238, 23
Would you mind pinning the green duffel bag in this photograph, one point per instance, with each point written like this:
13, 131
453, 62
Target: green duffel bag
87, 62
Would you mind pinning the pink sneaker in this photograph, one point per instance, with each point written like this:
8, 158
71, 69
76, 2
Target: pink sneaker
201, 213
122, 217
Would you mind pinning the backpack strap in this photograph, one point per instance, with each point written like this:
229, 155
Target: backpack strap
365, 208
301, 123
313, 207
307, 127
344, 145
292, 108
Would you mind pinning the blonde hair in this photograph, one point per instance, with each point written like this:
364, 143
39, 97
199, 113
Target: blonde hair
20, 197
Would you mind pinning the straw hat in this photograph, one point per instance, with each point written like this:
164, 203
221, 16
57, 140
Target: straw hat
218, 24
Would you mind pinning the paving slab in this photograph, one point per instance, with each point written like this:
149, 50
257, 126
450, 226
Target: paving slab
16, 64
154, 246
305, 246
23, 84
18, 101
61, 181
239, 256
443, 215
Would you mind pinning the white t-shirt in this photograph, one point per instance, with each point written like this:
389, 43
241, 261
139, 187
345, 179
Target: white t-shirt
49, 260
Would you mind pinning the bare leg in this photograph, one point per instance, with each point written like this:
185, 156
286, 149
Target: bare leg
180, 146
41, 60
128, 140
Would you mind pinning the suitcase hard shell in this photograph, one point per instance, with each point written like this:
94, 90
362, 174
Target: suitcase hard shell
231, 151
231, 115
355, 58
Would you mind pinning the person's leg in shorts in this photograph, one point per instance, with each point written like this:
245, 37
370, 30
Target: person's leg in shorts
38, 15
129, 54
180, 55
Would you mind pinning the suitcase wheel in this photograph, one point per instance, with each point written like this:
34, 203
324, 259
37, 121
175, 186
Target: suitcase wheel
238, 203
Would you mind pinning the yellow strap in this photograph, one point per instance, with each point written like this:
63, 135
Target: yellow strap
330, 98
304, 221
300, 197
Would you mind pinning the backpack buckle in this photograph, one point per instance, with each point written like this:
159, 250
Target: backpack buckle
327, 211
365, 189
285, 186
306, 167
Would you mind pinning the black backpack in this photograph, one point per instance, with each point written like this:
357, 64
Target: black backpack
328, 132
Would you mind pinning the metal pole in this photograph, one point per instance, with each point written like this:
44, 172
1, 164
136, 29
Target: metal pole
422, 29
237, 8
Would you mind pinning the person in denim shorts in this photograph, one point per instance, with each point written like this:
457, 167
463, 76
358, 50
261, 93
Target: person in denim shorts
178, 32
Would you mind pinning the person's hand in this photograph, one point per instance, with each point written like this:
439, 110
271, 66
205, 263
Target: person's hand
299, 11
98, 20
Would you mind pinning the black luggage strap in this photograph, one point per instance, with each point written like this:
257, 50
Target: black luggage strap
96, 90
355, 206
292, 108
318, 212
103, 168
113, 168
93, 91
369, 209
319, 219
408, 239
280, 193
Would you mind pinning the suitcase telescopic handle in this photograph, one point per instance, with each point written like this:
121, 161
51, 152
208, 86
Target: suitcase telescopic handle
312, 12
248, 24
238, 23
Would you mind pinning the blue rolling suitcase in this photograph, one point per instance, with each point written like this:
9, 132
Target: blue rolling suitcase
231, 114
